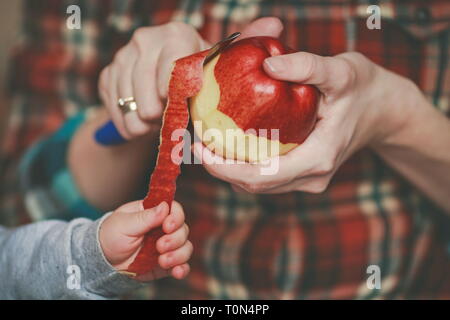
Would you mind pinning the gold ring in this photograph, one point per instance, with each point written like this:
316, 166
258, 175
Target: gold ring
127, 105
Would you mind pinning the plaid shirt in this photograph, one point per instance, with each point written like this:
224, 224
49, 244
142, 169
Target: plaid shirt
288, 246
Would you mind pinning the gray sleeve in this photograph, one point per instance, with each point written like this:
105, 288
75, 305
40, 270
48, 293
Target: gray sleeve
58, 260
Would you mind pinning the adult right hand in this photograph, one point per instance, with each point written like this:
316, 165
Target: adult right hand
141, 69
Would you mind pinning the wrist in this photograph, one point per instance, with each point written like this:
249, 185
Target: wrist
398, 108
118, 262
98, 276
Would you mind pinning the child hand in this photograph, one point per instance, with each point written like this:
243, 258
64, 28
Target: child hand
121, 235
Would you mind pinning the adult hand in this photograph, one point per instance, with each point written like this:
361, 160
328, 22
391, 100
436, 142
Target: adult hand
361, 104
141, 69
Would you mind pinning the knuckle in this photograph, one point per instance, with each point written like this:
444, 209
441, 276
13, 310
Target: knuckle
121, 56
149, 113
355, 56
309, 64
103, 81
318, 187
350, 62
161, 242
348, 73
103, 76
179, 210
163, 262
178, 28
140, 34
325, 167
136, 130
251, 187
140, 38
410, 85
190, 247
177, 204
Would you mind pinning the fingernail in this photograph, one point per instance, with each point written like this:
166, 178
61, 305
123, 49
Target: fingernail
166, 243
275, 64
160, 208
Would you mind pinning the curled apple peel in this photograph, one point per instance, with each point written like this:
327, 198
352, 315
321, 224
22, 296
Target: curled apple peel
185, 82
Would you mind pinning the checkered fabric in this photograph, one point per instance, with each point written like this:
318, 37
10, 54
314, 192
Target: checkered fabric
289, 246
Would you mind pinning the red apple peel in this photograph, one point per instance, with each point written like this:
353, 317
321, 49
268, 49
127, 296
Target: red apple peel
185, 82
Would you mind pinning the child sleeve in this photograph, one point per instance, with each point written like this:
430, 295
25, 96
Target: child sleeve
58, 260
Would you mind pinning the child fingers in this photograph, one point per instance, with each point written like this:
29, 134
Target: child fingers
174, 240
138, 223
181, 271
175, 219
176, 257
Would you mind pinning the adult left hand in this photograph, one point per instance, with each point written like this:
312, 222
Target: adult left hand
361, 104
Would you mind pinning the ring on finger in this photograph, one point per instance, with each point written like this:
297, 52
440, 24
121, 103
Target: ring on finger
127, 105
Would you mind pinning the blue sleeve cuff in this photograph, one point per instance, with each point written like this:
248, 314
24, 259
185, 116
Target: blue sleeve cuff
50, 191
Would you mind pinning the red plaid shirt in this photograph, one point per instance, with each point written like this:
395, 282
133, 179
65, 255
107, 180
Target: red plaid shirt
289, 246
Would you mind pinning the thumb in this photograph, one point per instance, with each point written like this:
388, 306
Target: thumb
139, 223
326, 73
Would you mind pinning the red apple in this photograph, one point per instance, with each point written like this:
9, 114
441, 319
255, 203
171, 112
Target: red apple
237, 94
